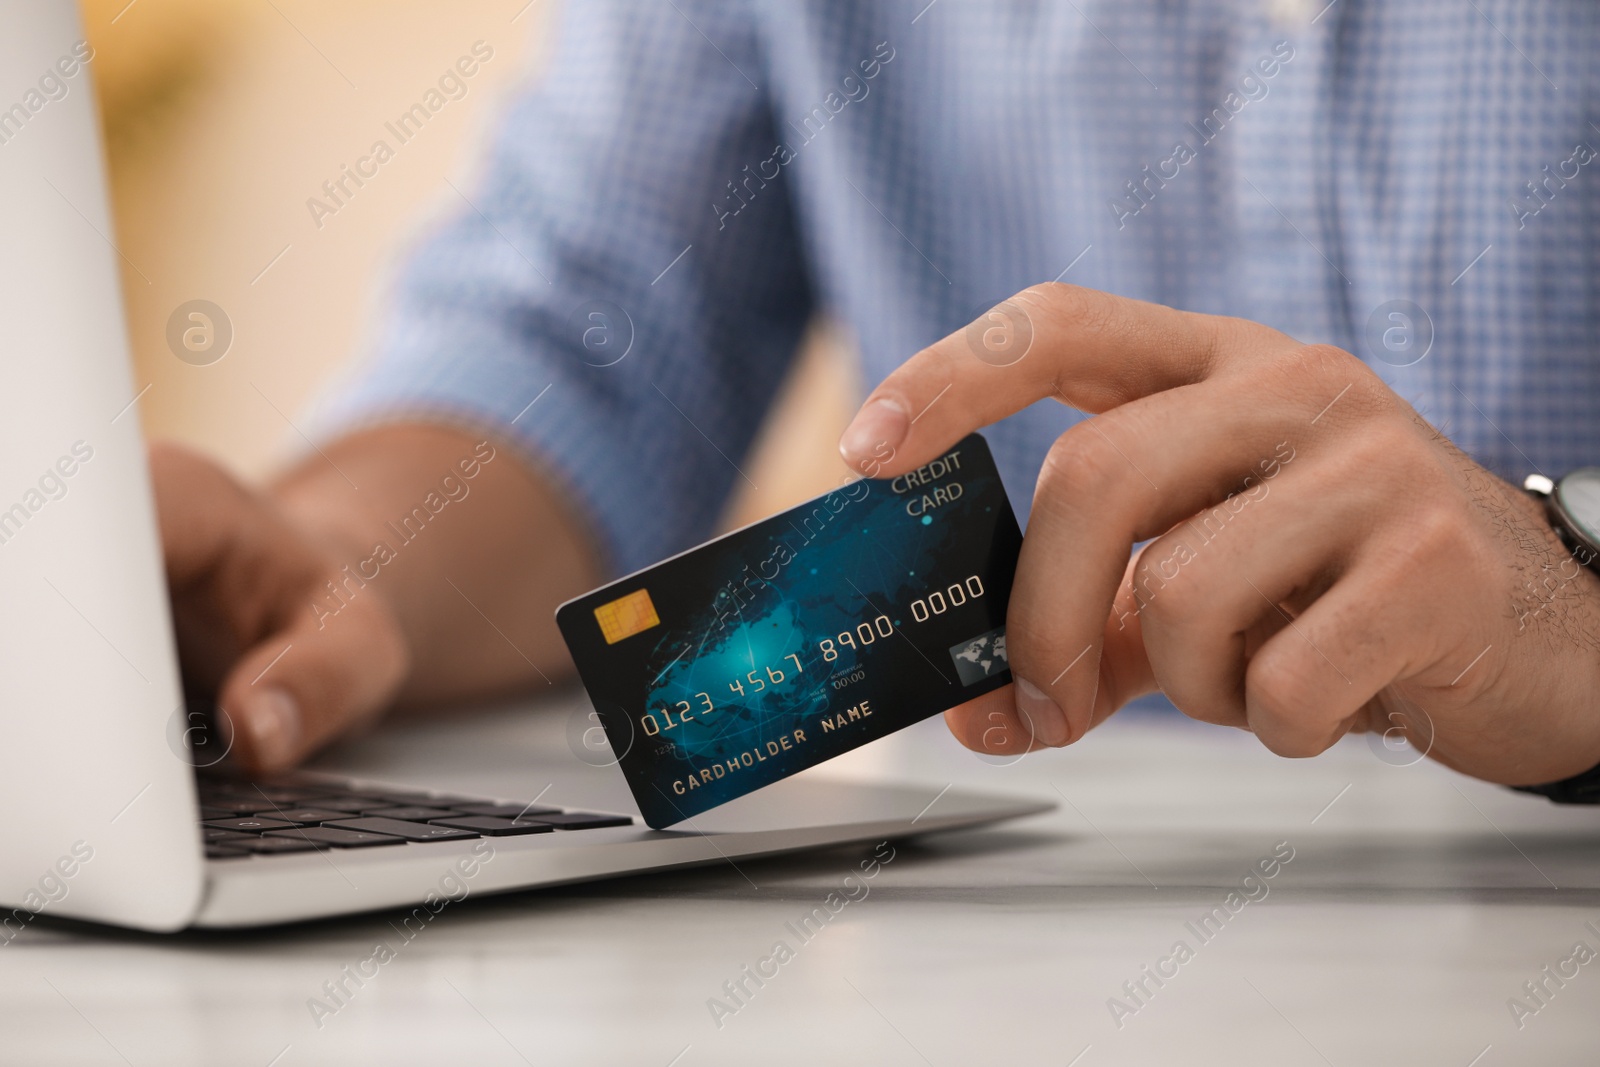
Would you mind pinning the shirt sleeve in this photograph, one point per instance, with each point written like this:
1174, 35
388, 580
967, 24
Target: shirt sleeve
595, 301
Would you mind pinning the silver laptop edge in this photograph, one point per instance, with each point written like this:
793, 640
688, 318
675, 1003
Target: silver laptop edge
88, 675
805, 812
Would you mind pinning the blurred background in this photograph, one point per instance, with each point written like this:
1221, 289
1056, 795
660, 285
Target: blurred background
223, 117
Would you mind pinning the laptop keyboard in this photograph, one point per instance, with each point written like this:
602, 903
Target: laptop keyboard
240, 819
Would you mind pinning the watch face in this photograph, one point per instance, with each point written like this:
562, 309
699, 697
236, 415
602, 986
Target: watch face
1579, 496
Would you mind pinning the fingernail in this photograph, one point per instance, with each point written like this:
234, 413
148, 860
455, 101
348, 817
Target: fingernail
875, 432
1041, 714
273, 719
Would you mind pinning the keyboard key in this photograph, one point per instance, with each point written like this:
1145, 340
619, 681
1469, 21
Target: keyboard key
257, 824
236, 790
295, 779
214, 813
408, 800
417, 814
411, 831
212, 836
454, 803
490, 826
235, 806
277, 794
271, 846
350, 803
504, 811
584, 820
333, 837
306, 816
221, 852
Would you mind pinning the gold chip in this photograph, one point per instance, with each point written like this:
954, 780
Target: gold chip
627, 616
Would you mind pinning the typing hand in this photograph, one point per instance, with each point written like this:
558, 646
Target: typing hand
252, 611
1323, 560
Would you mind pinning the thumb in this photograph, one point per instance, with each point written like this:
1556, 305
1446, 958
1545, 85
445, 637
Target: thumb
998, 724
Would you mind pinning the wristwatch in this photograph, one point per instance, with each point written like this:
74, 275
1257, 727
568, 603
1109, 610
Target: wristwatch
1572, 506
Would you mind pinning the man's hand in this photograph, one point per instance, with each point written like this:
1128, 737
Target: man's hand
1323, 559
411, 563
246, 583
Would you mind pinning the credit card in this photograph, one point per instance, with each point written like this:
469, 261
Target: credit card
778, 646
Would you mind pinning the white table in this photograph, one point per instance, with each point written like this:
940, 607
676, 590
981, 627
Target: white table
1416, 905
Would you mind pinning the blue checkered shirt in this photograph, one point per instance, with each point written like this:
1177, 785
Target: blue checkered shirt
688, 182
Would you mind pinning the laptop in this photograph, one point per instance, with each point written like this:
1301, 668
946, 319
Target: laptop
117, 810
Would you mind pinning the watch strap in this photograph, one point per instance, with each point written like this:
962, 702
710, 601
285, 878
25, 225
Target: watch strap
1579, 789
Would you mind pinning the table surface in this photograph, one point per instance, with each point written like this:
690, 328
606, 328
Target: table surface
1415, 907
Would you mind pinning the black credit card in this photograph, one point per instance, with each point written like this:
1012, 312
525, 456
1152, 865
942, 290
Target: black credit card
800, 637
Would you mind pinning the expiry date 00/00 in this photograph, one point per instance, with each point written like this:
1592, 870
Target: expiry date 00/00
840, 681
